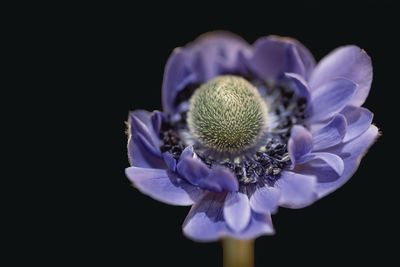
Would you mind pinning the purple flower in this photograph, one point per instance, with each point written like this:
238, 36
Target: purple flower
245, 129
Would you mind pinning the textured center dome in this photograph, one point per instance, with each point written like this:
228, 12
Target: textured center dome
227, 114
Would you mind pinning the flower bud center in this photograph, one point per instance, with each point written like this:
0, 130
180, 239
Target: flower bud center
227, 115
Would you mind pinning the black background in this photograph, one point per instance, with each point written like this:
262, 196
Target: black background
114, 62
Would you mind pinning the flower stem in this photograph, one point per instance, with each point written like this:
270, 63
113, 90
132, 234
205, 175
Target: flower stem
238, 253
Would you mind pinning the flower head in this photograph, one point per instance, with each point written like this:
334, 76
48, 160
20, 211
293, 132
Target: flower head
245, 129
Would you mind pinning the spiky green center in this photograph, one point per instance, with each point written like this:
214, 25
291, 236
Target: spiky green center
227, 114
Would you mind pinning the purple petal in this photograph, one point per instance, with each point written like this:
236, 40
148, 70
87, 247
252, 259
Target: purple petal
348, 62
156, 120
265, 200
296, 190
170, 161
222, 179
163, 186
147, 124
333, 161
188, 152
330, 135
210, 55
147, 144
358, 120
205, 222
140, 156
260, 224
177, 75
331, 98
300, 143
218, 179
143, 142
218, 52
192, 168
237, 212
319, 169
299, 85
351, 153
273, 56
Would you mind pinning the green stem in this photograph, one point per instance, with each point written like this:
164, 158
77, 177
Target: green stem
238, 253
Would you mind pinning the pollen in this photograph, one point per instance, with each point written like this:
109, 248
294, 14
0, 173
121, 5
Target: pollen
227, 114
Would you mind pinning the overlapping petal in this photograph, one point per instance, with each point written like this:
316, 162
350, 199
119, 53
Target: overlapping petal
210, 55
298, 84
350, 62
332, 160
351, 153
205, 221
197, 173
163, 186
300, 143
143, 142
331, 97
273, 56
358, 121
331, 134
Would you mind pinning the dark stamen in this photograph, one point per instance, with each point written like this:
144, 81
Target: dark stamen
171, 140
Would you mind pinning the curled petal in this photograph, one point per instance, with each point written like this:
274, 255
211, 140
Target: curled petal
192, 168
299, 85
358, 120
218, 179
300, 143
143, 142
334, 161
350, 62
223, 179
351, 153
331, 134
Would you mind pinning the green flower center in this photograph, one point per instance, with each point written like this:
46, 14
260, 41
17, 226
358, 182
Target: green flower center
227, 114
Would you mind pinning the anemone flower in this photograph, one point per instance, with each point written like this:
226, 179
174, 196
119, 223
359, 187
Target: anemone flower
247, 128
